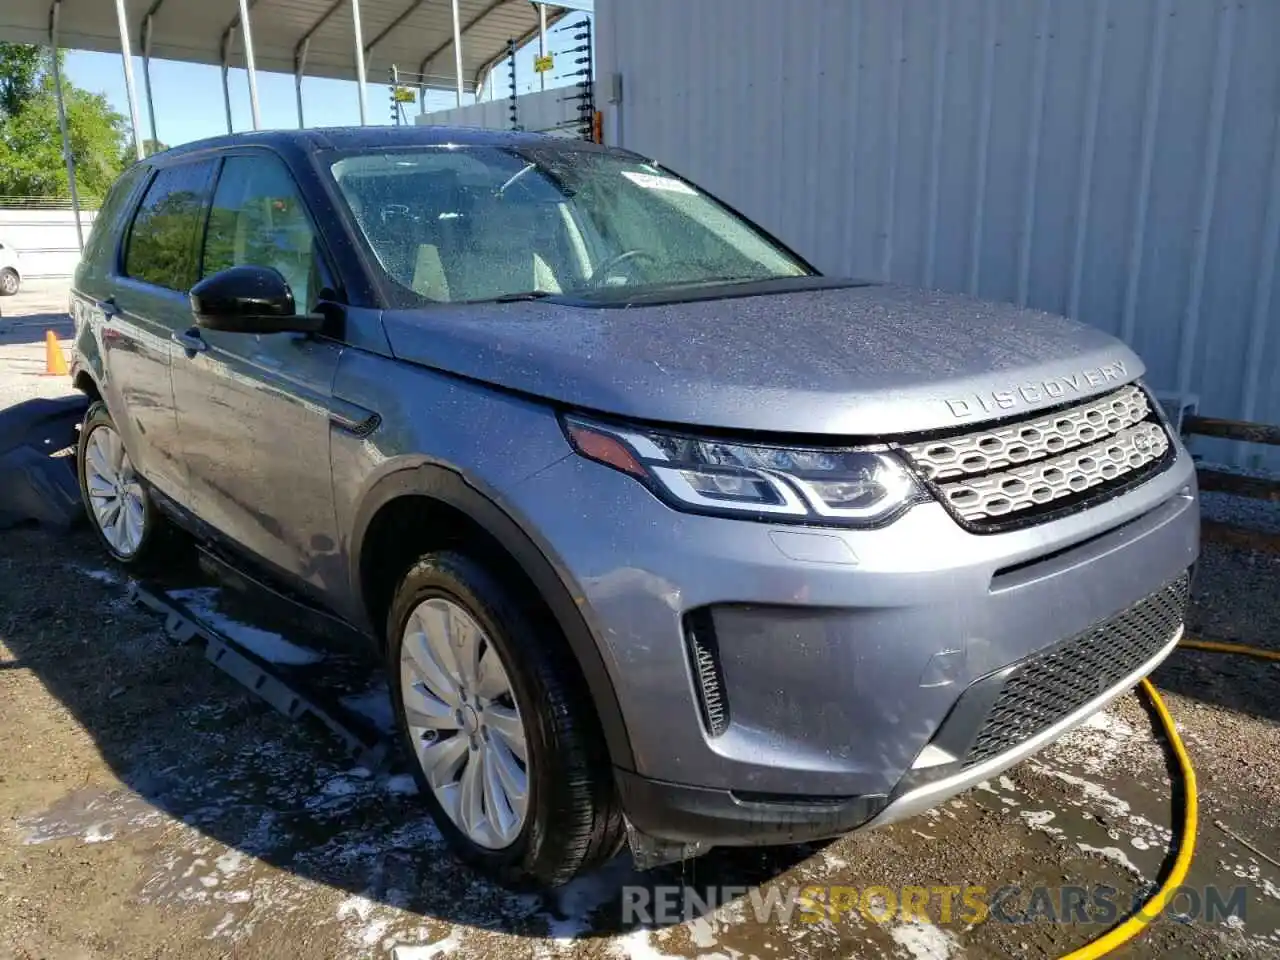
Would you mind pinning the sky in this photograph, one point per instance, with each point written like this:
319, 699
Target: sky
189, 105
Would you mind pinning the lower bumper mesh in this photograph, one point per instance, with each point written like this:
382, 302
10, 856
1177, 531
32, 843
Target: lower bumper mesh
1052, 684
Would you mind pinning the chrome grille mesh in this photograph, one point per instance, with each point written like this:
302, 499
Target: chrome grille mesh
989, 475
1002, 493
992, 449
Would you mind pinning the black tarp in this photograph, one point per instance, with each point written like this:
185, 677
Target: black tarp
35, 484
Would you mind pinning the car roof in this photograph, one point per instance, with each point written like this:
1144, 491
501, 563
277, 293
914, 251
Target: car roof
380, 137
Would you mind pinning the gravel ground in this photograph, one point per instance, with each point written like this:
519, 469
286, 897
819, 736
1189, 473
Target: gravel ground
151, 807
24, 319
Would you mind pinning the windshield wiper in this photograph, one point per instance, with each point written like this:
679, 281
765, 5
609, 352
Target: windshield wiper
514, 177
707, 282
516, 297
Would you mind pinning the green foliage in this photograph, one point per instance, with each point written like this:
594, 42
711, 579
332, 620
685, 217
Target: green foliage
128, 155
20, 66
160, 248
31, 162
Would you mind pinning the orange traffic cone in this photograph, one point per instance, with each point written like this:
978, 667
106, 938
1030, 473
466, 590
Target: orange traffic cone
55, 363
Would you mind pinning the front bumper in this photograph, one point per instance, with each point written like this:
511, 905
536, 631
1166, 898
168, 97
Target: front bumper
692, 815
911, 800
841, 654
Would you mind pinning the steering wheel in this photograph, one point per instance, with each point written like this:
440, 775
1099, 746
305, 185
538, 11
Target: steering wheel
626, 256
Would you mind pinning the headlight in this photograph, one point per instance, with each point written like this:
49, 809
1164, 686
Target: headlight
849, 486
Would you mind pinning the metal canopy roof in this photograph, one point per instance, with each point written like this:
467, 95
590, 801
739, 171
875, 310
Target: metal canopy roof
415, 35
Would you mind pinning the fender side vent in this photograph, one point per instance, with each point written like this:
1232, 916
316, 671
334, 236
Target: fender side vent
704, 659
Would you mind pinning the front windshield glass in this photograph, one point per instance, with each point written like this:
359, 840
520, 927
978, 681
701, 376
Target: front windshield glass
460, 224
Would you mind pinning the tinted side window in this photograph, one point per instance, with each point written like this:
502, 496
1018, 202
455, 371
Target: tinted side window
258, 219
162, 241
109, 222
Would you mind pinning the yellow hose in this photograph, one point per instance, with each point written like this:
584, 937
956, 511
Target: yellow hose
1239, 648
1151, 910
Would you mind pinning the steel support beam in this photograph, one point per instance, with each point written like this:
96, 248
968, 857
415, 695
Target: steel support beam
147, 26
303, 46
542, 42
299, 68
146, 76
238, 18
457, 49
227, 39
126, 55
360, 78
422, 67
55, 11
247, 29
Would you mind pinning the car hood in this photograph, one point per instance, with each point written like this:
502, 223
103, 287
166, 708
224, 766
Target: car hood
861, 361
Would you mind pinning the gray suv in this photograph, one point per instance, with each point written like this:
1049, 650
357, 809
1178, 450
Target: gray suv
662, 535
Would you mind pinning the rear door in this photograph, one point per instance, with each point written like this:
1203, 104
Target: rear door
93, 287
253, 409
147, 306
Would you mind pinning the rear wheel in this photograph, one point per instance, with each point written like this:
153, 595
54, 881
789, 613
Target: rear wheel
9, 282
118, 503
505, 747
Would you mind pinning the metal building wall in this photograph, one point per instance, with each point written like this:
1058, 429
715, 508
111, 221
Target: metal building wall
1113, 160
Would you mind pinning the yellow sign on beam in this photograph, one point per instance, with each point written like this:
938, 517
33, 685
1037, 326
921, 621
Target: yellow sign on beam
543, 64
403, 95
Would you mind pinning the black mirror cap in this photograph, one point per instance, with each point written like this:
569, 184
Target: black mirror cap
248, 299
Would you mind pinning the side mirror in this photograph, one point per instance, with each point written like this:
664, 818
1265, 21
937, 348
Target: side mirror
249, 299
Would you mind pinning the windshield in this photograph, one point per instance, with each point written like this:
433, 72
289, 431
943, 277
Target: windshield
460, 224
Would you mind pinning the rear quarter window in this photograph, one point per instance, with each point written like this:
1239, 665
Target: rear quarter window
162, 239
112, 217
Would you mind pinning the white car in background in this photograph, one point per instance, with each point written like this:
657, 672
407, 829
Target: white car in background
10, 271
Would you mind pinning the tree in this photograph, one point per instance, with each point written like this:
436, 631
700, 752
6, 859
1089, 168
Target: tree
19, 68
31, 162
149, 146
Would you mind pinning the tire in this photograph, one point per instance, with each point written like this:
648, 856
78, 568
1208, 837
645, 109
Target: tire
9, 282
571, 820
145, 528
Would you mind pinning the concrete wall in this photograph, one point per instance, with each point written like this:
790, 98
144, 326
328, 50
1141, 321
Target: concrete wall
44, 239
1114, 160
544, 111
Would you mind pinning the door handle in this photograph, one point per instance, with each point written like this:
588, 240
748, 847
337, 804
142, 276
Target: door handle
109, 308
191, 342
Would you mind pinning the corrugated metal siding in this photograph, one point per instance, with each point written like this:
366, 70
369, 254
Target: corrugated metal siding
1113, 160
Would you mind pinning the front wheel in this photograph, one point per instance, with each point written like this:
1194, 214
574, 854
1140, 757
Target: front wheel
9, 282
119, 505
505, 748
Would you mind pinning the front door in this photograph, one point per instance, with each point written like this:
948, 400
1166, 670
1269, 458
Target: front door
147, 306
253, 409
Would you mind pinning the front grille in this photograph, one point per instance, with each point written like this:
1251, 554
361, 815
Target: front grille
1052, 684
1031, 468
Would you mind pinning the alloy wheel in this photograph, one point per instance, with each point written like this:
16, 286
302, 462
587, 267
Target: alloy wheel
115, 492
465, 723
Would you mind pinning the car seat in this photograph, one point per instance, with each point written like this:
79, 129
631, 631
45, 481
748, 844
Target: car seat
499, 250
